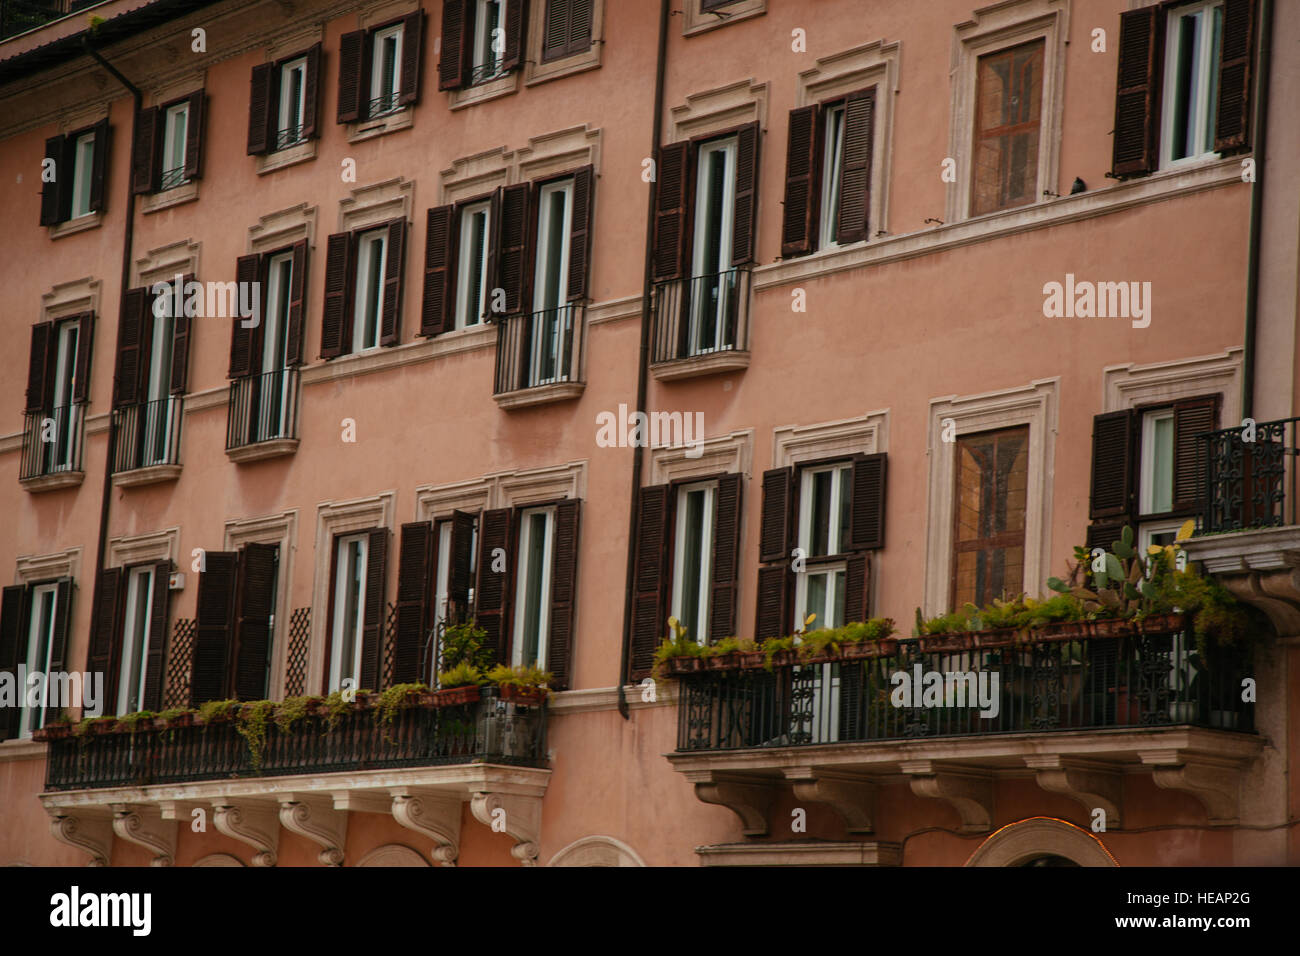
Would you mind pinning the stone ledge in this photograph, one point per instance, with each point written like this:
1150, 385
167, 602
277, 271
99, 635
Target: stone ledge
149, 475
52, 482
540, 395
695, 366
1260, 567
258, 451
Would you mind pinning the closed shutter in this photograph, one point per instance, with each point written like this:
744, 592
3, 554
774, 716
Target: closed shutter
726, 558
510, 244
243, 362
68, 163
144, 154
649, 576
674, 179
1114, 475
85, 343
775, 532
412, 36
180, 345
99, 165
799, 215
13, 610
39, 379
194, 135
59, 639
297, 305
459, 579
311, 94
390, 325
1236, 76
157, 649
1192, 417
254, 611
453, 67
136, 304
353, 86
555, 32
868, 512
516, 31
564, 588
106, 632
745, 211
215, 619
372, 627
580, 26
1104, 534
857, 588
855, 174
261, 114
1136, 147
50, 205
584, 181
336, 316
773, 588
414, 566
438, 307
492, 594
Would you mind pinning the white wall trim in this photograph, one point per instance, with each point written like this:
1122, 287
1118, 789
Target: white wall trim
866, 435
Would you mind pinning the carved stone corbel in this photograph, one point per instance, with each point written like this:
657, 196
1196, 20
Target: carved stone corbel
145, 826
1091, 783
256, 825
518, 815
93, 835
969, 793
432, 816
852, 798
318, 821
1215, 783
746, 799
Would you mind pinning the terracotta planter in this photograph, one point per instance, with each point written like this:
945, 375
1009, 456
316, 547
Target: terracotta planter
1111, 627
785, 658
1163, 623
684, 665
101, 727
947, 642
172, 723
860, 650
139, 727
1003, 637
523, 695
722, 662
1062, 631
457, 695
52, 732
752, 660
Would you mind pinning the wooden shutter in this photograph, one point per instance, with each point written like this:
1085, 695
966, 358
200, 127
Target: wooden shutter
85, 340
59, 639
516, 33
674, 179
564, 587
105, 632
50, 205
857, 588
1236, 76
353, 86
13, 611
650, 574
509, 225
868, 511
372, 627
262, 110
180, 345
855, 173
412, 35
130, 343
726, 558
1114, 475
776, 531
799, 215
454, 63
336, 316
297, 305
437, 310
1192, 417
194, 135
492, 594
1136, 147
555, 32
215, 622
1104, 534
390, 322
256, 579
745, 211
99, 165
772, 613
69, 164
584, 181
157, 649
144, 153
414, 568
248, 269
311, 94
580, 26
463, 525
39, 378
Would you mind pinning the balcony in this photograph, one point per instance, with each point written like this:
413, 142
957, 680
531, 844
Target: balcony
262, 417
52, 446
539, 357
19, 16
701, 325
148, 441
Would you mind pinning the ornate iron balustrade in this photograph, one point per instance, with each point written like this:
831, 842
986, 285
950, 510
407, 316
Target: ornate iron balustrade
52, 441
486, 72
382, 105
291, 136
263, 408
539, 348
19, 16
490, 730
701, 315
148, 434
1250, 484
1045, 686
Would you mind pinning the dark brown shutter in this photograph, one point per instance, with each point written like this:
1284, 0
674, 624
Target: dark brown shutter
180, 345
59, 639
726, 558
194, 135
855, 174
857, 588
1136, 147
437, 311
39, 380
311, 94
85, 340
492, 594
1114, 476
144, 153
99, 165
463, 524
564, 597
584, 181
261, 110
516, 33
1104, 534
799, 216
13, 609
105, 632
136, 304
708, 5
412, 35
297, 305
509, 225
50, 205
248, 269
650, 576
353, 86
454, 63
215, 620
1192, 417
1236, 76
580, 25
372, 628
414, 566
773, 589
254, 610
745, 212
390, 322
336, 316
674, 177
555, 33
151, 699
329, 616
776, 531
868, 512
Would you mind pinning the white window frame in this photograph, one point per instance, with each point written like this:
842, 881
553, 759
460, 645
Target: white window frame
377, 87
1206, 73
698, 628
485, 51
140, 584
840, 485
156, 417
1147, 491
728, 146
832, 173
33, 718
521, 586
175, 141
275, 338
366, 243
292, 115
547, 332
339, 586
467, 313
82, 169
59, 454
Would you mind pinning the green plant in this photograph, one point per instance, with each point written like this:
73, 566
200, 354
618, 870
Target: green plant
336, 706
463, 644
291, 710
174, 712
216, 709
521, 677
132, 721
83, 725
462, 675
396, 699
251, 724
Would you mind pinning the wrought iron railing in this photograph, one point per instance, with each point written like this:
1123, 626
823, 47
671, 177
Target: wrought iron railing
19, 16
1250, 476
52, 441
382, 105
148, 434
263, 408
288, 137
1140, 681
539, 348
701, 315
489, 730
485, 72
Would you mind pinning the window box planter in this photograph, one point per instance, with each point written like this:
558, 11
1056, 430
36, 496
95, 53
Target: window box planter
174, 723
452, 696
52, 732
1163, 623
722, 662
1002, 637
532, 696
947, 642
1061, 631
1111, 628
752, 660
868, 650
785, 658
685, 665
101, 727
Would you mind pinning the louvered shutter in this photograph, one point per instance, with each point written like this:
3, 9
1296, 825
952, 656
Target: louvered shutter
105, 632
771, 616
336, 316
311, 94
454, 63
855, 174
243, 362
510, 244
857, 588
59, 637
215, 627
297, 305
1136, 147
261, 114
130, 341
868, 511
353, 86
564, 587
1192, 417
799, 215
1236, 76
726, 558
50, 205
580, 25
374, 619
584, 181
1104, 534
438, 307
516, 32
68, 163
194, 135
99, 165
775, 532
254, 609
85, 342
13, 611
492, 594
649, 575
412, 38
1113, 472
459, 579
39, 384
180, 345
390, 325
144, 175
555, 33
156, 652
414, 566
674, 178
745, 211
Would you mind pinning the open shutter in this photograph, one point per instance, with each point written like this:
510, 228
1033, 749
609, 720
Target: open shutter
99, 165
463, 525
1114, 475
674, 177
261, 115
376, 604
254, 610
454, 64
726, 559
390, 325
243, 362
1236, 76
59, 639
13, 610
136, 304
144, 153
180, 346
1136, 147
555, 33
857, 588
564, 585
50, 205
311, 94
584, 181
297, 304
437, 308
580, 25
194, 135
105, 632
336, 316
412, 35
516, 33
215, 620
649, 579
38, 375
1104, 534
799, 215
868, 511
157, 649
353, 86
855, 175
69, 164
745, 212
775, 533
1192, 417
510, 244
492, 594
773, 589
414, 567
85, 340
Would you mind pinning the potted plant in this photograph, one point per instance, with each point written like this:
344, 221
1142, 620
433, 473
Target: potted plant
55, 731
523, 685
460, 685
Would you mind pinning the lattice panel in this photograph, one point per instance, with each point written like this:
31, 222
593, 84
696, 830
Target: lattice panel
295, 674
386, 652
180, 660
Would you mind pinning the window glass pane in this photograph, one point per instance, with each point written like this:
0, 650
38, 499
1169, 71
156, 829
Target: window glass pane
845, 495
1212, 99
831, 173
692, 558
989, 515
84, 161
816, 601
1009, 86
351, 569
819, 514
1185, 75
1162, 465
536, 568
835, 616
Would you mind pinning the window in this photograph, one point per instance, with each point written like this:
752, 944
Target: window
471, 277
1157, 462
84, 151
58, 372
34, 622
488, 40
1008, 108
348, 609
136, 633
283, 104
567, 28
536, 528
363, 289
371, 257
73, 174
481, 41
552, 323
714, 211
385, 78
379, 69
1193, 43
692, 561
989, 515
275, 397
832, 173
169, 145
157, 437
39, 651
824, 515
293, 102
173, 171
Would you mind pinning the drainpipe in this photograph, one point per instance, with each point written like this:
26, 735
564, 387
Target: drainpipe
1259, 124
643, 364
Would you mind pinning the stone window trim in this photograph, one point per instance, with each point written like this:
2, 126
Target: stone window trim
866, 435
1035, 405
597, 851
377, 203
1130, 386
507, 489
503, 85
291, 156
35, 568
724, 454
536, 71
368, 19
150, 548
996, 27
71, 298
1018, 843
170, 92
298, 41
719, 110
165, 263
697, 20
282, 530
71, 226
544, 156
281, 229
